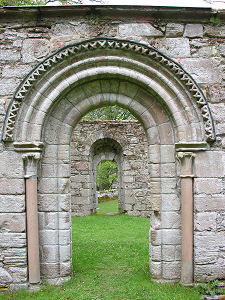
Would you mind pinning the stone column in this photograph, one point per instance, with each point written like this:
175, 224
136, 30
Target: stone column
30, 168
186, 163
31, 154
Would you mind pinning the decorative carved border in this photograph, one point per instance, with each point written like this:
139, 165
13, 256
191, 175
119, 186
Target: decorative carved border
108, 43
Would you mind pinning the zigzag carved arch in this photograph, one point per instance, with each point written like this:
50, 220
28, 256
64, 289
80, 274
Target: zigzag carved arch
107, 43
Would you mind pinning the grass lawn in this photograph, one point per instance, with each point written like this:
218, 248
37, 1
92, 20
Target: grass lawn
108, 207
110, 261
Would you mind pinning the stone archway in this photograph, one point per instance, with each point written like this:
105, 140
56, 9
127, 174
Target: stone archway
102, 150
125, 142
49, 103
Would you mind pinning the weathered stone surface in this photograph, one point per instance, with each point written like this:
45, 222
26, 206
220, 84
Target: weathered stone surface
11, 165
48, 202
12, 203
173, 47
65, 268
193, 31
65, 253
168, 252
34, 49
48, 237
209, 272
214, 31
5, 277
209, 203
218, 111
222, 49
11, 222
65, 29
13, 240
154, 153
9, 55
48, 220
171, 270
11, 186
50, 270
168, 186
19, 274
155, 186
139, 29
168, 170
64, 237
156, 237
208, 185
49, 253
166, 133
156, 202
156, 269
8, 86
208, 164
203, 256
200, 48
171, 236
216, 93
170, 202
205, 221
209, 240
19, 71
155, 253
220, 221
171, 220
174, 29
14, 256
167, 154
203, 70
64, 220
48, 185
49, 170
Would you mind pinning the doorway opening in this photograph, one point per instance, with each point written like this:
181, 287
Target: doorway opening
107, 185
112, 134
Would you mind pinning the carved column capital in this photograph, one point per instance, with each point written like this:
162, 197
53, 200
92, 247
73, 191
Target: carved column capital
30, 164
31, 154
186, 160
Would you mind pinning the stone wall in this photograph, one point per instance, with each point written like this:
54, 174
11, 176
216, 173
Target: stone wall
192, 37
134, 167
198, 45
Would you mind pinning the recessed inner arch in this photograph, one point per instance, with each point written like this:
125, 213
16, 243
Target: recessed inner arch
92, 93
103, 150
57, 134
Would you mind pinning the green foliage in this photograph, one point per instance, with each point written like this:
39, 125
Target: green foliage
109, 113
42, 2
106, 198
106, 174
215, 20
93, 19
22, 2
210, 288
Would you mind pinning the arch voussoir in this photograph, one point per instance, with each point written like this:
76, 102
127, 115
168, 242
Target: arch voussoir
135, 49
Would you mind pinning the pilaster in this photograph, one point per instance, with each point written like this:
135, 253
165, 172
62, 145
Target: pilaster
186, 160
31, 156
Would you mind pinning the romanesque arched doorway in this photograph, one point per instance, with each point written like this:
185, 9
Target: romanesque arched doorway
53, 98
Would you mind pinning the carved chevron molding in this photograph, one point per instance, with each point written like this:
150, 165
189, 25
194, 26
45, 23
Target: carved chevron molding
107, 43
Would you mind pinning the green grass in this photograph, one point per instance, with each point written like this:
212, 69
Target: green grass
110, 261
108, 207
